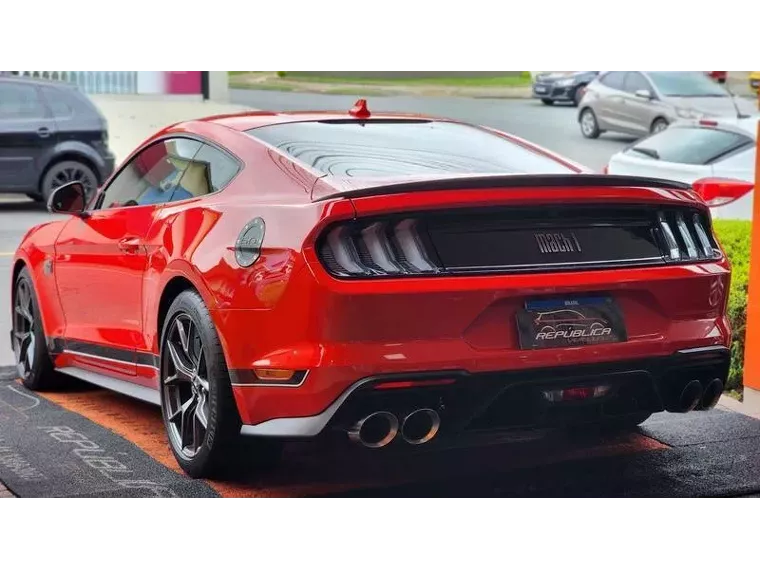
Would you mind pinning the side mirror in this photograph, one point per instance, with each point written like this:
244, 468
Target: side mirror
721, 191
644, 94
68, 198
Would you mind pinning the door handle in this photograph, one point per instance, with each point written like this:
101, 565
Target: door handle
43, 132
129, 245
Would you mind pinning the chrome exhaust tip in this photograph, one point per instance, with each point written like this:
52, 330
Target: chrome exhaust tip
375, 430
712, 394
420, 426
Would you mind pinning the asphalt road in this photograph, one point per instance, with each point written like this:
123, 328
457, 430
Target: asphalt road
554, 127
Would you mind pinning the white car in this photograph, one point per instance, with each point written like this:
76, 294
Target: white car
690, 150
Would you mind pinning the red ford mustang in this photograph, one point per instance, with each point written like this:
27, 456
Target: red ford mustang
291, 275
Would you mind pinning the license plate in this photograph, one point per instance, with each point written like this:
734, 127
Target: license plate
566, 322
540, 89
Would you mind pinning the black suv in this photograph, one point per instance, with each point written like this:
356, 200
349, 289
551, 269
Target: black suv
50, 133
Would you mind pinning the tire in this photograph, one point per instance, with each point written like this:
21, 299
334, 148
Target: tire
658, 125
33, 362
68, 171
202, 376
588, 123
35, 197
547, 102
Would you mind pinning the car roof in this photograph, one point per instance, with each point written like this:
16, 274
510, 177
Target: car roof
248, 120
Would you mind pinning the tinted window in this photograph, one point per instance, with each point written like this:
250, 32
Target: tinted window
686, 84
690, 145
18, 101
153, 176
222, 166
56, 100
403, 148
613, 79
635, 82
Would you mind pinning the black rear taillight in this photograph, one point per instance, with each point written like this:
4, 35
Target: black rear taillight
377, 248
686, 238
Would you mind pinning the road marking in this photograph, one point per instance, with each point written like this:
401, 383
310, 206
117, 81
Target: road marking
7, 253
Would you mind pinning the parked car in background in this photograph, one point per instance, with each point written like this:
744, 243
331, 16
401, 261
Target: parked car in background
50, 134
562, 86
643, 102
693, 149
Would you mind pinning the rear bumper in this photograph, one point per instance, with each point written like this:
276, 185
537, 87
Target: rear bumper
492, 401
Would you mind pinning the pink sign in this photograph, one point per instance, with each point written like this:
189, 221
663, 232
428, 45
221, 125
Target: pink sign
183, 82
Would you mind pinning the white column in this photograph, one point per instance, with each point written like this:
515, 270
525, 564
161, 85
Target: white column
151, 82
218, 86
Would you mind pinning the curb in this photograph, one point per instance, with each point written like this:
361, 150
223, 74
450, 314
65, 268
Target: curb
732, 404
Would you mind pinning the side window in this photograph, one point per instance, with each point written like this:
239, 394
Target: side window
613, 79
151, 176
56, 102
635, 82
209, 171
19, 101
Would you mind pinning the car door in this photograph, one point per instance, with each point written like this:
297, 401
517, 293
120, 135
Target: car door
101, 259
26, 131
609, 106
638, 113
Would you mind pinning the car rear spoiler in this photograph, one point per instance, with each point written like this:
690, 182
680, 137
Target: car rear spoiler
509, 181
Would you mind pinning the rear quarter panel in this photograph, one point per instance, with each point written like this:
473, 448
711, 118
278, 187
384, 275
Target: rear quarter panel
195, 238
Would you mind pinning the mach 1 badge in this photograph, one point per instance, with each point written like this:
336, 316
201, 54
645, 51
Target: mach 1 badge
559, 323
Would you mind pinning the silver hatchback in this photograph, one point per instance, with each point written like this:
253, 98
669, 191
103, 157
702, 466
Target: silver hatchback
644, 102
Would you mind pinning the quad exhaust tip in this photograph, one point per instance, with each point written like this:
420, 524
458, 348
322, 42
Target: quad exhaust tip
420, 426
689, 398
375, 430
712, 394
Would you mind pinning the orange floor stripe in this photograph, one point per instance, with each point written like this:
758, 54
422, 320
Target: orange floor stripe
315, 471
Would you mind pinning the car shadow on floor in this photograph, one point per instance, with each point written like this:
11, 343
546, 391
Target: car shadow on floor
333, 466
22, 205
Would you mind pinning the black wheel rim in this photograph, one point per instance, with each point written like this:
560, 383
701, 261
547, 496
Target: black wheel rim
63, 175
185, 385
24, 329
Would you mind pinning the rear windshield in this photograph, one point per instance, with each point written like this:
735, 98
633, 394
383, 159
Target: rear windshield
400, 148
690, 145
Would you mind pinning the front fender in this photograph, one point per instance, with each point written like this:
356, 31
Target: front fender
37, 253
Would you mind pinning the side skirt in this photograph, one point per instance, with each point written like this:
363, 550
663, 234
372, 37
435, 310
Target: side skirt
124, 387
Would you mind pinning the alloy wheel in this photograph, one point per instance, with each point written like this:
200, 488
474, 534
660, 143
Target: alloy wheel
72, 172
185, 386
24, 329
588, 123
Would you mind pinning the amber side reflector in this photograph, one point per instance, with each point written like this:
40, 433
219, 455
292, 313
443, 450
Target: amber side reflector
274, 374
408, 384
